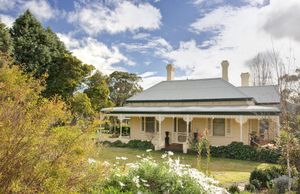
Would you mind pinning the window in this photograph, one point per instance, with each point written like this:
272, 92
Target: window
219, 127
149, 124
263, 126
228, 127
181, 125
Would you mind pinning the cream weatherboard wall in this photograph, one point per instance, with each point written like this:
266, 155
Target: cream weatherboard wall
199, 124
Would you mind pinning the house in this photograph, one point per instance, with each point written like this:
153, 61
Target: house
175, 111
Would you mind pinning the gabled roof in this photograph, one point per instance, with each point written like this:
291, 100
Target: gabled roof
262, 94
191, 90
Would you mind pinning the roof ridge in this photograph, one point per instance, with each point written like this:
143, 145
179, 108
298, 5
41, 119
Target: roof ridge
191, 79
237, 88
257, 86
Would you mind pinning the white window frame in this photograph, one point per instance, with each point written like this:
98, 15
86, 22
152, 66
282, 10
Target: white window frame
224, 128
143, 125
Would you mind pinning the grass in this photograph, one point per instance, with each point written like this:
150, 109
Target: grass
226, 171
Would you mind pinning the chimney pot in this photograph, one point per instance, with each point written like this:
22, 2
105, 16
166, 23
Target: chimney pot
225, 66
245, 79
170, 72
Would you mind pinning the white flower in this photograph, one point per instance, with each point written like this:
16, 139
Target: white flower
149, 150
136, 180
124, 158
146, 185
138, 156
121, 184
105, 163
91, 161
164, 156
118, 158
170, 153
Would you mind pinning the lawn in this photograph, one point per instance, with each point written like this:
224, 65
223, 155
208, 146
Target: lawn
226, 171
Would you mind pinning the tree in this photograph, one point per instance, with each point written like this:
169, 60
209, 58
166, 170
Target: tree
98, 91
261, 69
123, 85
65, 75
39, 52
40, 151
81, 106
34, 47
5, 40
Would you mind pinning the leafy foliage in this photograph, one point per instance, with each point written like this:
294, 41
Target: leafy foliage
261, 178
137, 144
6, 44
81, 106
123, 85
40, 151
65, 75
239, 151
39, 51
148, 176
234, 189
98, 91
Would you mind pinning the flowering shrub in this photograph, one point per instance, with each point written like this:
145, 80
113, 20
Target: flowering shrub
149, 176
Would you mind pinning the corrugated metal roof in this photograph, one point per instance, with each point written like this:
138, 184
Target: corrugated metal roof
247, 110
184, 90
262, 94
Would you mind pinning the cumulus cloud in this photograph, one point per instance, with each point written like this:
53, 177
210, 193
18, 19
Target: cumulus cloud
123, 16
96, 53
7, 20
236, 34
40, 8
7, 4
284, 21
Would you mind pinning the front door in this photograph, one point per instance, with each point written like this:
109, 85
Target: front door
181, 131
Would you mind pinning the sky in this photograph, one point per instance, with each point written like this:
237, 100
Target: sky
143, 36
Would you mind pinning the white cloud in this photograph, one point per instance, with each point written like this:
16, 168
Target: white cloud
7, 4
284, 22
7, 20
40, 8
141, 36
238, 34
95, 17
96, 53
158, 44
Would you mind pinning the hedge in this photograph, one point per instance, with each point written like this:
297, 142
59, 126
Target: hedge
239, 151
138, 144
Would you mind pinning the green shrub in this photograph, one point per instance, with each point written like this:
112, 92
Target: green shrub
256, 183
237, 150
139, 144
250, 187
234, 189
118, 143
281, 183
265, 176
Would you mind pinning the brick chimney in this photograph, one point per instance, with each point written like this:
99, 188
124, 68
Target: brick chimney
225, 66
170, 72
245, 79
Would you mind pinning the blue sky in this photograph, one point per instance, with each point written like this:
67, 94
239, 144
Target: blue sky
143, 36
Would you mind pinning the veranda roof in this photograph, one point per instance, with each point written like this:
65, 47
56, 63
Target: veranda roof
202, 110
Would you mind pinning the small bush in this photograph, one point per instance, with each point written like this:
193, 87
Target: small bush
256, 183
281, 183
138, 144
265, 176
250, 187
237, 150
234, 189
118, 143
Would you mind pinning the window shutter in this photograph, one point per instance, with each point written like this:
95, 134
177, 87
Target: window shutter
228, 127
157, 126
